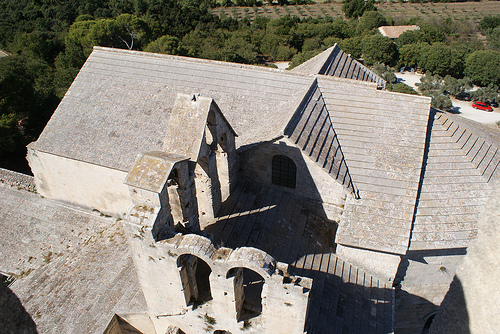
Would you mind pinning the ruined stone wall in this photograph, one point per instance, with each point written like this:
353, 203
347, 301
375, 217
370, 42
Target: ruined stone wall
311, 182
284, 301
80, 183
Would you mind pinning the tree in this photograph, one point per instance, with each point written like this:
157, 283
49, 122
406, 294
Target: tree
165, 44
486, 94
377, 48
433, 86
352, 46
409, 55
356, 8
370, 20
402, 88
456, 86
483, 67
440, 59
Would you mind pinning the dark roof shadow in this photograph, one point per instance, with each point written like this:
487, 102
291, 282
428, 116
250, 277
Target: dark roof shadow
13, 316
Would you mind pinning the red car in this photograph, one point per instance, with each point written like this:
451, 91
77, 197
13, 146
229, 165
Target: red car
481, 106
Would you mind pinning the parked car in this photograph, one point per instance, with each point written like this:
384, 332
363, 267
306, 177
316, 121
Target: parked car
481, 106
464, 96
494, 104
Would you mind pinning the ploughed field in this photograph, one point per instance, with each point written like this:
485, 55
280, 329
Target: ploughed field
398, 11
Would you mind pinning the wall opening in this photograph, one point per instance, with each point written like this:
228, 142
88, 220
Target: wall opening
248, 286
223, 167
211, 134
284, 171
203, 184
195, 278
174, 198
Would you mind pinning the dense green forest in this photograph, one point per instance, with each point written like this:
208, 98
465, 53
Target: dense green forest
50, 40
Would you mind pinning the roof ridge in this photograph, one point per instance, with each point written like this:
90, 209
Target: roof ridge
200, 60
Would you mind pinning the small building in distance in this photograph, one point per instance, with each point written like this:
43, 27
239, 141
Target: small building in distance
394, 31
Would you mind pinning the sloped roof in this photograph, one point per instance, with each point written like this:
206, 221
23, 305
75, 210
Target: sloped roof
137, 90
312, 131
151, 170
76, 266
395, 31
337, 63
382, 135
462, 162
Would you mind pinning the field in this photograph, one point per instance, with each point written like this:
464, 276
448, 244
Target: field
398, 11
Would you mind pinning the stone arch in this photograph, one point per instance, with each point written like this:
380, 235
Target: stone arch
283, 171
195, 279
248, 286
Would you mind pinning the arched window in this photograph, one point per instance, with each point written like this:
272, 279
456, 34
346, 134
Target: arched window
284, 171
195, 280
247, 292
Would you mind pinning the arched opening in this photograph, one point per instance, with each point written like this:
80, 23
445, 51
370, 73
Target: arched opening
284, 171
428, 323
195, 279
174, 197
248, 286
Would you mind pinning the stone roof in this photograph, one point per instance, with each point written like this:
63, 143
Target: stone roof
138, 90
462, 162
337, 63
312, 131
382, 135
151, 170
395, 31
74, 267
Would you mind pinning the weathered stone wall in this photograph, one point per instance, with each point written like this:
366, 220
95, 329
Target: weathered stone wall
80, 183
284, 302
312, 182
472, 303
14, 179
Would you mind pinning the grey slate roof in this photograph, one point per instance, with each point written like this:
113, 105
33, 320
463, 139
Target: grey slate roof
463, 161
312, 131
337, 63
120, 103
382, 136
151, 170
76, 266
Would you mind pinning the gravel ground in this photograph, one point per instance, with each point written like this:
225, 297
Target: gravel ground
463, 108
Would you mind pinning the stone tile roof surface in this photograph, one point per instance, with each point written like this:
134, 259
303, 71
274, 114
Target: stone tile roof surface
312, 131
459, 169
337, 63
382, 136
137, 91
75, 267
152, 170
